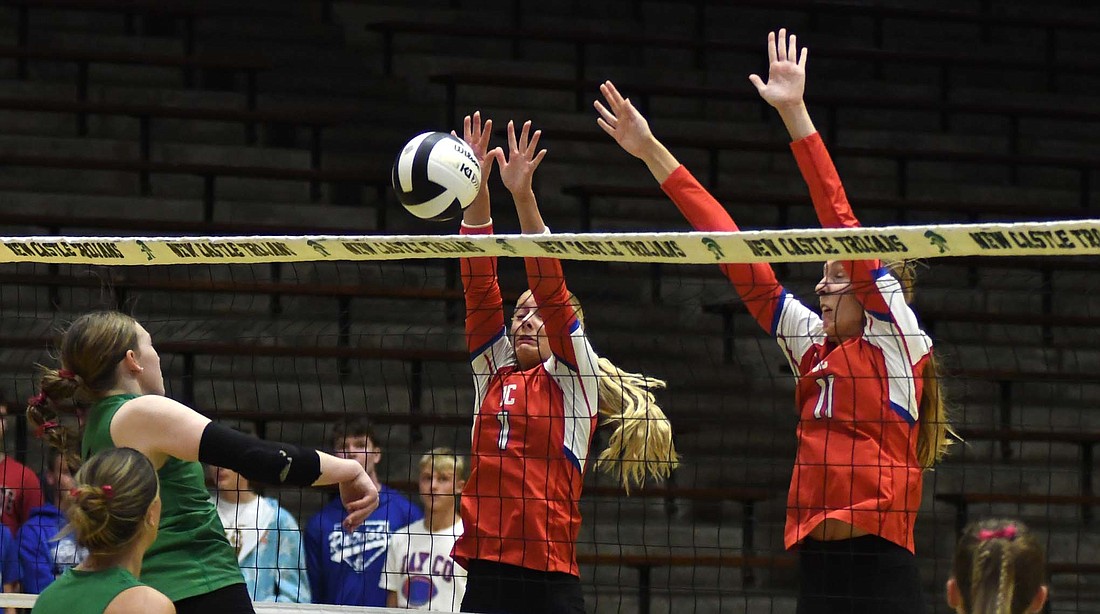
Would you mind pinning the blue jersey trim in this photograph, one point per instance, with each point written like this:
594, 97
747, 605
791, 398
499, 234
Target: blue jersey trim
883, 317
904, 413
481, 350
572, 329
572, 457
779, 305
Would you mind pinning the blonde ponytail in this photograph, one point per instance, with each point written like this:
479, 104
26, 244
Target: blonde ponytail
641, 445
999, 567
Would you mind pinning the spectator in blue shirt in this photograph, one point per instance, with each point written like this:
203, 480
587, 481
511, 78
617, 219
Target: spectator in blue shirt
42, 558
345, 568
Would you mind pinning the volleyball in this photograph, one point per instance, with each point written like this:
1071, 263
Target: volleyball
436, 176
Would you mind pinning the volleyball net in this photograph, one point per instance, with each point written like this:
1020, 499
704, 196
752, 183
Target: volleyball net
291, 336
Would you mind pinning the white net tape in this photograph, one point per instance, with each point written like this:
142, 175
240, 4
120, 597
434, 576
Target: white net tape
1064, 238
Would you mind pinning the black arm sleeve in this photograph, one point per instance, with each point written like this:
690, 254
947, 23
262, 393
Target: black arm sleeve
258, 460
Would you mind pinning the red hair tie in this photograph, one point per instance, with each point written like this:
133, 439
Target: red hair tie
1007, 532
66, 374
38, 400
107, 490
45, 426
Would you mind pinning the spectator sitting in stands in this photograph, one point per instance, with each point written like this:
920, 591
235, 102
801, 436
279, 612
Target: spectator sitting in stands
45, 553
19, 486
266, 538
345, 567
420, 573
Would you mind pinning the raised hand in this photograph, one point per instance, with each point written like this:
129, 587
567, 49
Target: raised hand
517, 169
631, 131
623, 122
786, 72
477, 137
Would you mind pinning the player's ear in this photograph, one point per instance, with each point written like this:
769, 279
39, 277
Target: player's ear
954, 598
1040, 600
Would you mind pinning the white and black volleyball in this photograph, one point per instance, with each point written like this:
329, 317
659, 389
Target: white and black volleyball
436, 176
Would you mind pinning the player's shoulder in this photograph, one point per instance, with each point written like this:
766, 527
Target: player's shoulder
140, 599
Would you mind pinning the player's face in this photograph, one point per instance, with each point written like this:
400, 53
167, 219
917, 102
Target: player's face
841, 313
149, 377
361, 449
231, 481
528, 333
438, 488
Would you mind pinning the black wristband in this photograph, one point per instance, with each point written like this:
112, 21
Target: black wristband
258, 460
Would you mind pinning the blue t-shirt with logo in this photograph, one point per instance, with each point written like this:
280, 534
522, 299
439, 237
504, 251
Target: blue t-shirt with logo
345, 568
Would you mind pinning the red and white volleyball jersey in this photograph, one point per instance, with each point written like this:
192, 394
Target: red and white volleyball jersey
532, 429
858, 401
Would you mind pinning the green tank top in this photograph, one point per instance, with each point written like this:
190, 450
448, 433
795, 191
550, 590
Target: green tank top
93, 590
191, 555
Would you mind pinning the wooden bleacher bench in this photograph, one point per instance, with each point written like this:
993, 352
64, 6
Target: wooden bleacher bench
902, 158
248, 65
189, 12
588, 90
1086, 441
961, 501
55, 223
316, 120
726, 309
587, 193
414, 357
644, 563
703, 47
378, 179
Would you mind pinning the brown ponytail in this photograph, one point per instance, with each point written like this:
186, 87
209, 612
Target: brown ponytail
91, 348
934, 425
113, 492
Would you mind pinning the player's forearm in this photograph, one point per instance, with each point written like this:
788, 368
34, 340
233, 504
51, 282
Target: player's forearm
659, 160
797, 120
478, 213
530, 220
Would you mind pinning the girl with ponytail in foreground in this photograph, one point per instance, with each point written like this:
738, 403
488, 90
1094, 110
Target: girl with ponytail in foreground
110, 380
999, 569
114, 513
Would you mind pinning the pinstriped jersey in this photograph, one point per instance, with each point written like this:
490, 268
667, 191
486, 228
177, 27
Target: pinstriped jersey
859, 400
532, 428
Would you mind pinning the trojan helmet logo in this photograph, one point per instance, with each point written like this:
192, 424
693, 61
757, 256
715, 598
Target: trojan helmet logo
714, 248
937, 240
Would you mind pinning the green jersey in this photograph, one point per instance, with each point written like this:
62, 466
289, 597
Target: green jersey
191, 555
92, 590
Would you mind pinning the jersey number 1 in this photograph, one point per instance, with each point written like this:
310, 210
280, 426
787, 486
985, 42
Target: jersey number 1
824, 407
502, 418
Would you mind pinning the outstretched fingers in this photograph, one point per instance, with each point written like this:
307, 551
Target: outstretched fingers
513, 147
